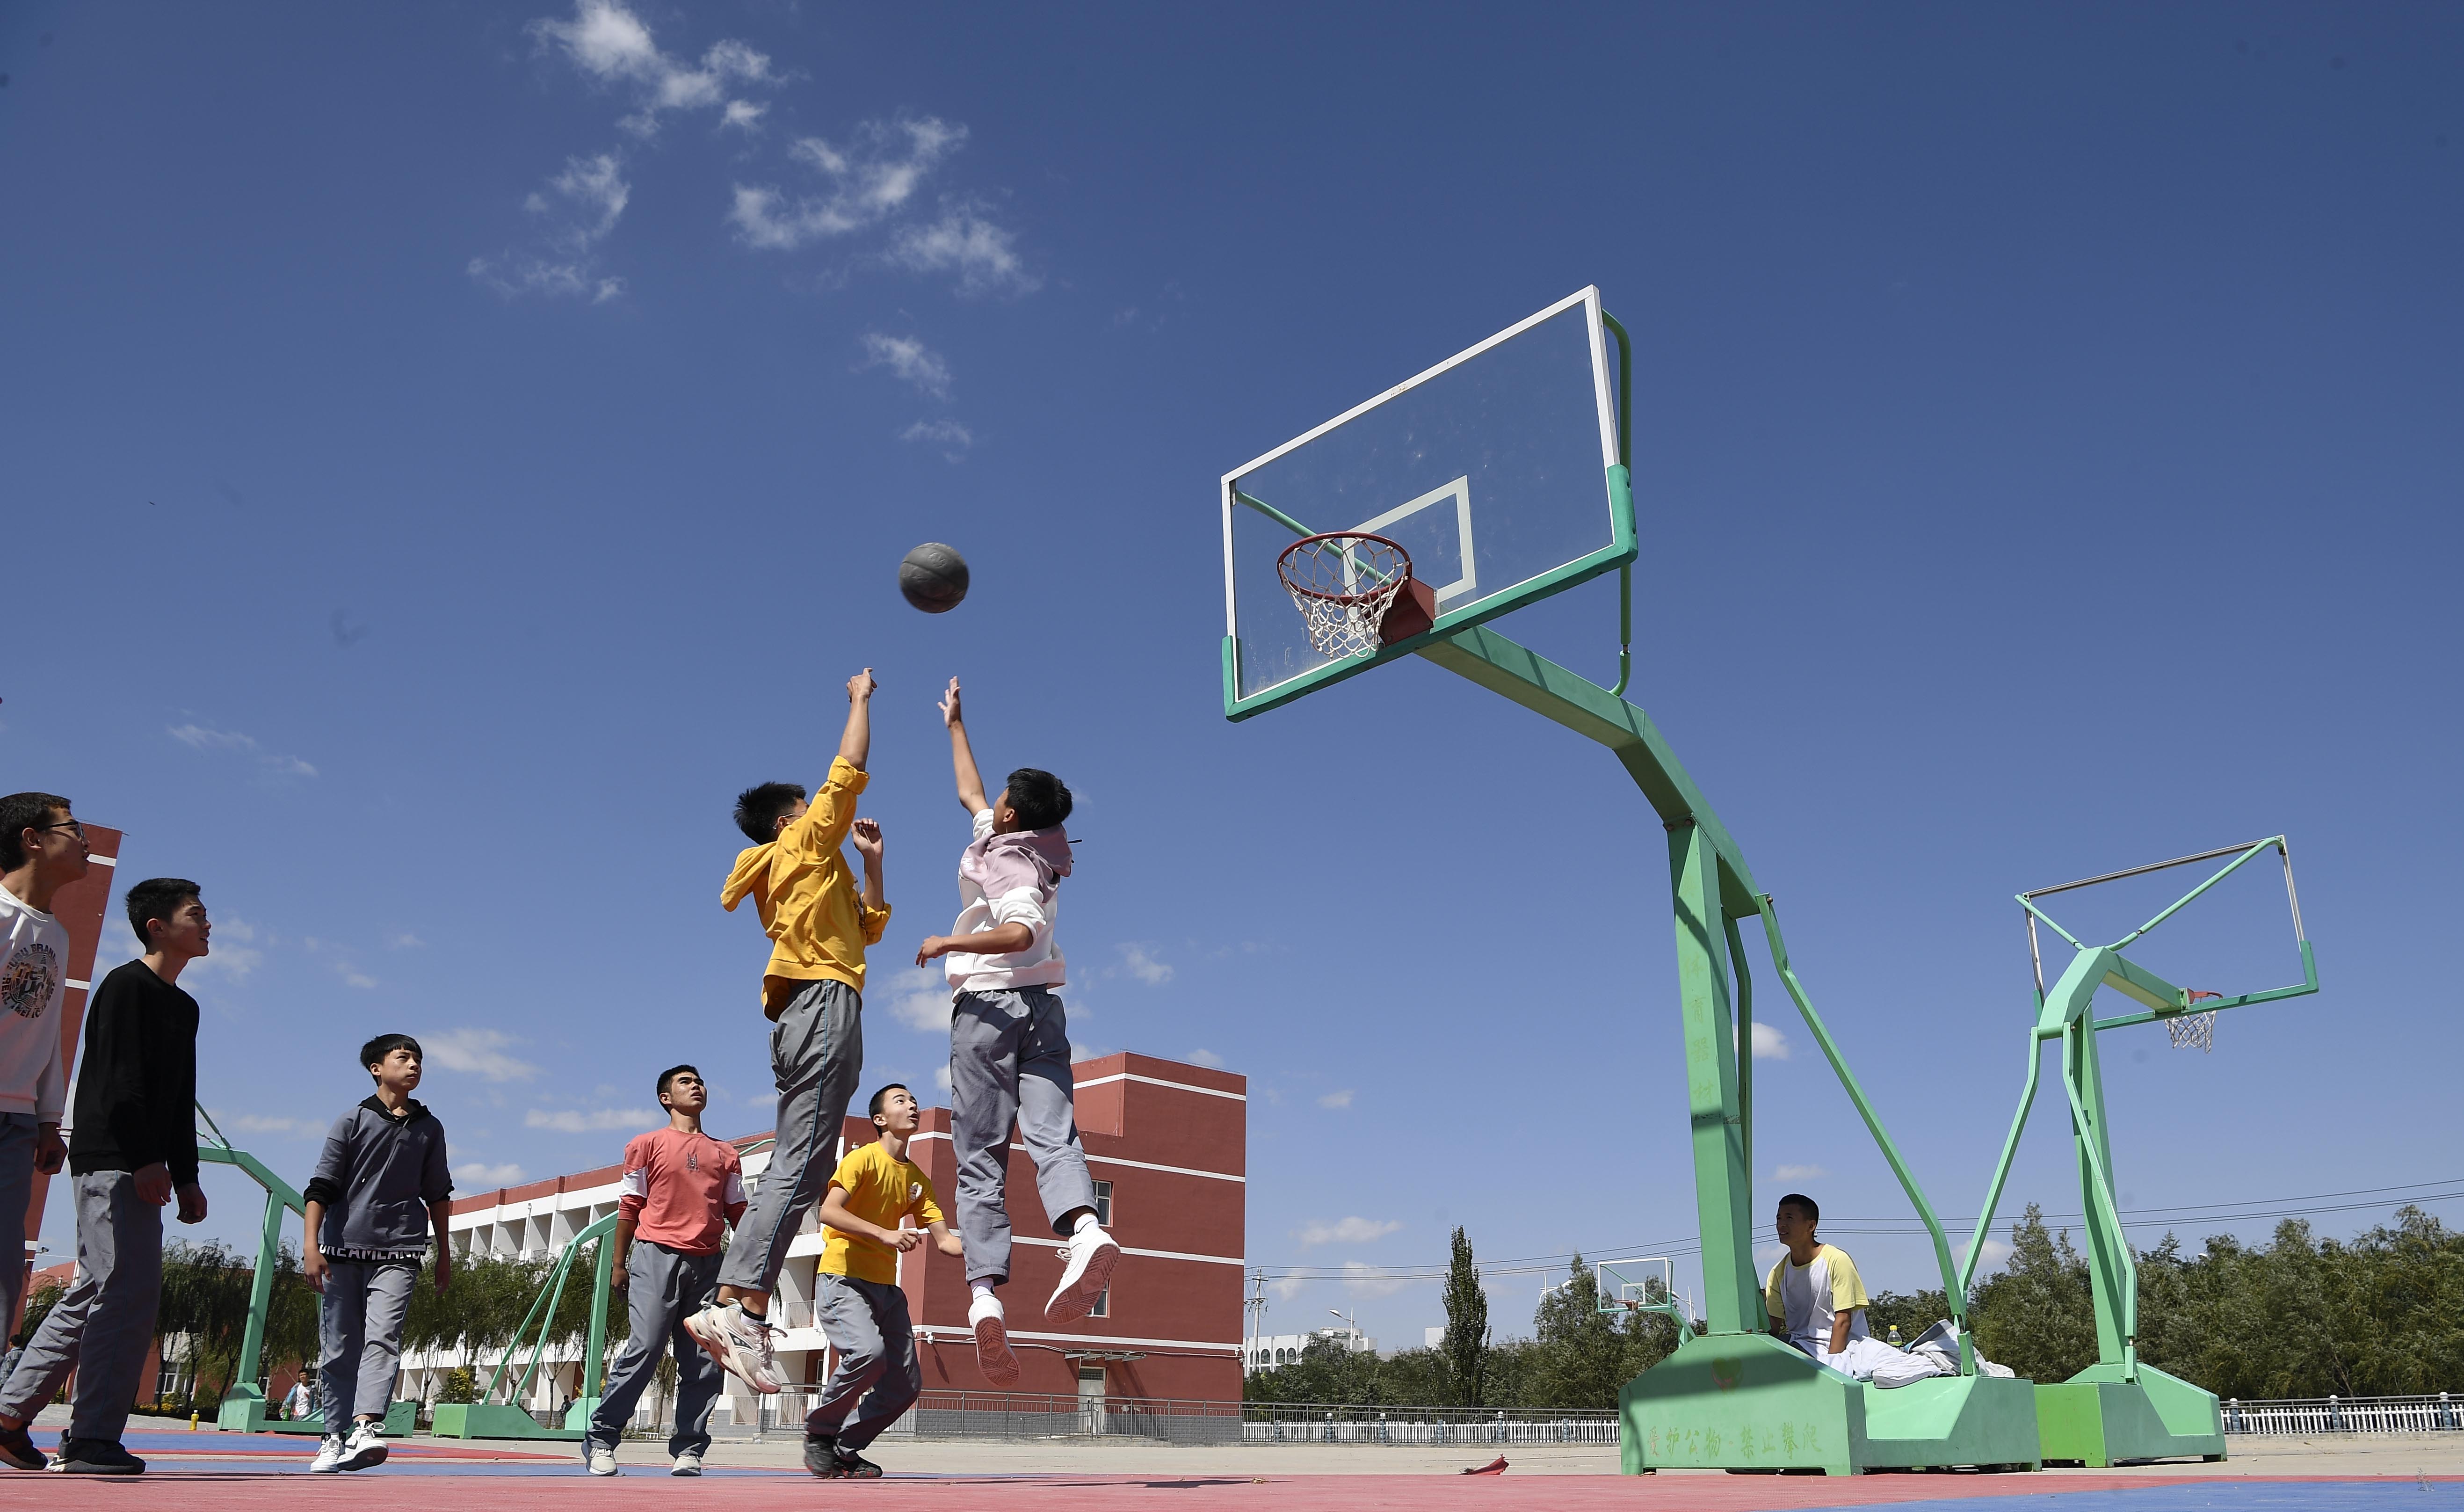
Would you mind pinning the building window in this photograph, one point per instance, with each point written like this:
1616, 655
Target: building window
1103, 1203
1103, 1307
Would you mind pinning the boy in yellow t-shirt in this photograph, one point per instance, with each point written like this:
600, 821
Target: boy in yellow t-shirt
856, 1296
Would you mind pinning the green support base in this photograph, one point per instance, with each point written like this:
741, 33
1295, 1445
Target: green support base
244, 1411
1753, 1402
2098, 1419
496, 1420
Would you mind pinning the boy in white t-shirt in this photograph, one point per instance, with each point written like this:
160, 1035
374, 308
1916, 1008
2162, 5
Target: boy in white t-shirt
1009, 1045
1816, 1298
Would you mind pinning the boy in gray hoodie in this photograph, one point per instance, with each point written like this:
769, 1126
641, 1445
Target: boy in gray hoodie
382, 1189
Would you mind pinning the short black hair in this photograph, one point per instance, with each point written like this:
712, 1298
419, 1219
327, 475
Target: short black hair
674, 1071
1803, 1204
157, 897
757, 809
384, 1045
873, 1110
1038, 798
20, 811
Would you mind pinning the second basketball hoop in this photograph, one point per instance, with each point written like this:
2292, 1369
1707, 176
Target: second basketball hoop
1356, 591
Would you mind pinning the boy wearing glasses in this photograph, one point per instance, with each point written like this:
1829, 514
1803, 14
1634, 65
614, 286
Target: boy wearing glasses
681, 1188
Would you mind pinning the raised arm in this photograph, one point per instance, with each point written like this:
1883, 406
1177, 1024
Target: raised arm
856, 743
962, 756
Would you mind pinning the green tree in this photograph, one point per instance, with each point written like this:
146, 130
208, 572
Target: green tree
2035, 1314
1465, 1347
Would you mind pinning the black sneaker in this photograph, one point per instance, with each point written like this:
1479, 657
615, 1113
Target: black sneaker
17, 1450
821, 1456
852, 1466
97, 1456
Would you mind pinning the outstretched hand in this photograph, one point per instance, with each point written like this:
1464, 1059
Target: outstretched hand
950, 704
859, 686
867, 834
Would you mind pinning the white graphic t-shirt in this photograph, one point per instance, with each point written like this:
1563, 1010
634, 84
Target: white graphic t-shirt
33, 983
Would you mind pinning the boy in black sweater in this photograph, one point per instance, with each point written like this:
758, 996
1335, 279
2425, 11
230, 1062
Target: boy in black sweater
381, 1189
132, 1146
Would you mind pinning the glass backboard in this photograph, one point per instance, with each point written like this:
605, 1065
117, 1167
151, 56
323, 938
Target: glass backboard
1497, 470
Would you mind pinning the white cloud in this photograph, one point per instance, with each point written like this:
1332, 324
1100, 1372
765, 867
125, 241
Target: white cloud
941, 1076
235, 954
1798, 1172
1770, 1044
1144, 966
478, 1053
591, 197
910, 360
482, 1174
1344, 1230
198, 737
579, 1121
353, 977
610, 43
260, 1124
745, 115
1079, 1051
1363, 1280
1207, 1058
868, 180
1336, 1099
1996, 1252
919, 998
949, 435
962, 241
513, 277
1285, 1287
404, 940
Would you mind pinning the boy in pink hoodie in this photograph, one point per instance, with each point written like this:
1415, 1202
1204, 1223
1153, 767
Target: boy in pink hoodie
1009, 1045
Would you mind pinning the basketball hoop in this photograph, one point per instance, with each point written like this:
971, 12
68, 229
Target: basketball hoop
2194, 1031
1343, 583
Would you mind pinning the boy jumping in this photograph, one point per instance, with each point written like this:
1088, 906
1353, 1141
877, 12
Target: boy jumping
681, 1188
856, 1295
813, 994
382, 1189
1009, 1045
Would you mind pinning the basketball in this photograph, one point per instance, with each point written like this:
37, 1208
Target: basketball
934, 578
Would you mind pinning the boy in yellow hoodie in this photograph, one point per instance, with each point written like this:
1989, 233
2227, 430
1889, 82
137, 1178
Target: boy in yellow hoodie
812, 992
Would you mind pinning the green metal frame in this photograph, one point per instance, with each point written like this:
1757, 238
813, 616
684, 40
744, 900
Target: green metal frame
2118, 1409
489, 1418
1687, 1411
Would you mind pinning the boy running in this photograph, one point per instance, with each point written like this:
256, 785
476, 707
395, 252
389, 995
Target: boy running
681, 1188
380, 1190
856, 1295
813, 994
132, 1146
42, 849
1009, 1045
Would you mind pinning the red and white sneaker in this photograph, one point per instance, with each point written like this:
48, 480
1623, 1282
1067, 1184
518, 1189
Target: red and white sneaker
1091, 1255
993, 1354
740, 1343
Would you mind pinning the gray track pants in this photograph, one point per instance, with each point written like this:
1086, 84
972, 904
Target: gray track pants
1009, 1058
17, 1192
866, 1322
816, 1056
360, 1327
663, 1286
105, 1323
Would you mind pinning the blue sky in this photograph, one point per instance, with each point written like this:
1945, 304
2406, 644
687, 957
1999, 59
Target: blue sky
451, 451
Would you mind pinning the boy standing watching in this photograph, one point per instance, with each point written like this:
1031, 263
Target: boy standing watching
856, 1296
681, 1188
133, 1145
381, 1189
1009, 1045
42, 849
812, 992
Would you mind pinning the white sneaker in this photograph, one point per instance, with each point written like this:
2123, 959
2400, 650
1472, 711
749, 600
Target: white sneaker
740, 1343
1092, 1256
992, 1341
687, 1463
365, 1447
602, 1461
329, 1456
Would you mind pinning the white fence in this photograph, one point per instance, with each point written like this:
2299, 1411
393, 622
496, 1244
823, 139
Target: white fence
2309, 1416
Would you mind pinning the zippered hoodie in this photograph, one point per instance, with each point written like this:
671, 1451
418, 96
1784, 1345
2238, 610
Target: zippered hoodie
376, 1178
1012, 878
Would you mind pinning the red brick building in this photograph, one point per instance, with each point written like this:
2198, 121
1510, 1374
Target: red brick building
1166, 1143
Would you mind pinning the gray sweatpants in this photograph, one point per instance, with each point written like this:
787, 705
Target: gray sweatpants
17, 1192
1009, 1058
103, 1325
816, 1056
866, 1322
663, 1286
360, 1328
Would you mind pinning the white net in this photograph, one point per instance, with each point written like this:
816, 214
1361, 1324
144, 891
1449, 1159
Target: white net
1343, 585
2193, 1030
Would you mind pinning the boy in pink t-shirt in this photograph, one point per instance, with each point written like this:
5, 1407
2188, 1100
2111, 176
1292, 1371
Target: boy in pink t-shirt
681, 1188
